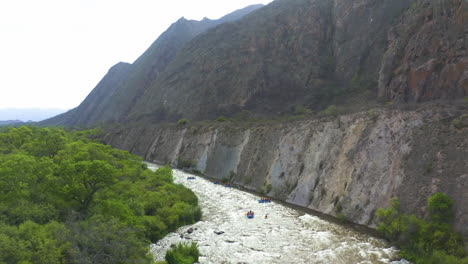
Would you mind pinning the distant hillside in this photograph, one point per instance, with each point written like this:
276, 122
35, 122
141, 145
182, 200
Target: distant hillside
28, 114
314, 53
11, 122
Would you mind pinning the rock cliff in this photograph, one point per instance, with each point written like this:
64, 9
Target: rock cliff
347, 166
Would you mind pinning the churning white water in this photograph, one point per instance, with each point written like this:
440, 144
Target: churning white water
226, 235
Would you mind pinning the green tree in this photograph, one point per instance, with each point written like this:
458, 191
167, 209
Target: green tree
421, 240
81, 180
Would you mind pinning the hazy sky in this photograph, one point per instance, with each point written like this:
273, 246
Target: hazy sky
54, 52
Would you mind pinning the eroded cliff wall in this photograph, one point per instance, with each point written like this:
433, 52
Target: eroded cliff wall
349, 165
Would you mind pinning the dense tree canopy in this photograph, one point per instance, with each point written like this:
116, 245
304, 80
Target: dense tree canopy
65, 198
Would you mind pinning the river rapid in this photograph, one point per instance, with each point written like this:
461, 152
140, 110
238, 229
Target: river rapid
226, 235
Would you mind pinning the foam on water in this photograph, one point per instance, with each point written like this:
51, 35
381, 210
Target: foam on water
286, 236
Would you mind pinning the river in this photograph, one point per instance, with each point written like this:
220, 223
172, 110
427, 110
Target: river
226, 235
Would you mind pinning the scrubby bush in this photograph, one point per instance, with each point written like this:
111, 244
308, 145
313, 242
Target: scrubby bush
222, 119
243, 115
183, 254
373, 114
301, 110
331, 111
185, 164
183, 121
460, 122
457, 123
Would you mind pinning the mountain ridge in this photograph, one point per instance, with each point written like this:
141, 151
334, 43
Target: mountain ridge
118, 92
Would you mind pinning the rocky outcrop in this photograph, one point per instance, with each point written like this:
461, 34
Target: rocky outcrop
348, 166
427, 56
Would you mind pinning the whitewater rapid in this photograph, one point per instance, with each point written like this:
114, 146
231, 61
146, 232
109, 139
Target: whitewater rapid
225, 235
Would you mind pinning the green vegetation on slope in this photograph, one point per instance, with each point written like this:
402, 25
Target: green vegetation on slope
432, 240
67, 199
183, 254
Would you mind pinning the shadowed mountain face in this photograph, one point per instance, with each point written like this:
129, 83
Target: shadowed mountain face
123, 85
268, 60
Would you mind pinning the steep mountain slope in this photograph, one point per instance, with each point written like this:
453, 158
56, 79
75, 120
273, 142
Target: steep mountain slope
427, 57
122, 86
290, 52
310, 52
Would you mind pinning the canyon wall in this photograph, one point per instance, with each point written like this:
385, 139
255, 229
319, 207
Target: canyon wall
347, 166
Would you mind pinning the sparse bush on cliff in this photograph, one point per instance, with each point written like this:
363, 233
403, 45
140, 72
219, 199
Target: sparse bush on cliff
457, 123
460, 122
222, 119
373, 114
466, 100
243, 115
331, 111
183, 121
301, 110
197, 172
185, 164
424, 240
342, 217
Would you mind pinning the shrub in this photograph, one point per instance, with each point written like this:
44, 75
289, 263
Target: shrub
268, 188
342, 218
373, 114
182, 163
225, 179
183, 121
222, 119
461, 122
243, 115
183, 254
457, 123
301, 110
331, 111
466, 100
197, 172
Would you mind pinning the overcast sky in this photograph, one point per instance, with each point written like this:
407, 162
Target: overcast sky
54, 52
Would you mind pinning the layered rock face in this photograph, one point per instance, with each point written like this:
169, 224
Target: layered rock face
351, 165
427, 56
